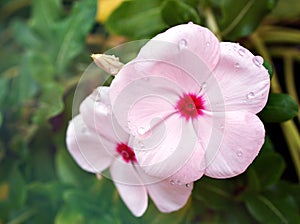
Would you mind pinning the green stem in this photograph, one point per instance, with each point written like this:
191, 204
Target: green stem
289, 78
289, 128
212, 23
275, 34
23, 217
237, 19
11, 6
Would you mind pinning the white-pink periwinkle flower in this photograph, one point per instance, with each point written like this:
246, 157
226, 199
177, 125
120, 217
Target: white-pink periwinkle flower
189, 102
96, 143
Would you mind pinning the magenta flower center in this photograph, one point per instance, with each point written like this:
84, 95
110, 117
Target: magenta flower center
126, 152
190, 106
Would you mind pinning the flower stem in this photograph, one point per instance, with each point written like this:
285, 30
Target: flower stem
290, 130
212, 23
289, 78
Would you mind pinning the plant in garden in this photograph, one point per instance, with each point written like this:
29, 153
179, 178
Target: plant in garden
205, 93
45, 48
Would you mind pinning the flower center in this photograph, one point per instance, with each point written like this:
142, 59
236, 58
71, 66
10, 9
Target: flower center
126, 152
190, 106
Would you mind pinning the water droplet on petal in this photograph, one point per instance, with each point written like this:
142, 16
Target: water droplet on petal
172, 182
258, 60
203, 85
141, 130
190, 23
182, 44
239, 154
207, 43
178, 182
242, 51
187, 185
250, 95
237, 65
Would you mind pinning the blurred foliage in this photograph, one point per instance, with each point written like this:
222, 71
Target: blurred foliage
45, 46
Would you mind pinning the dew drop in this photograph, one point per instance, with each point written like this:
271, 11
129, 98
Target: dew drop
207, 44
239, 154
237, 65
250, 95
187, 185
242, 51
190, 23
172, 182
203, 85
258, 60
182, 44
178, 182
141, 130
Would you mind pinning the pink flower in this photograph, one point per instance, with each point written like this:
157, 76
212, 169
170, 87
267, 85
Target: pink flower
189, 102
97, 142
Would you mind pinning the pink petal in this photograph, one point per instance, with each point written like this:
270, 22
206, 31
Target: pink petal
184, 68
196, 39
167, 149
242, 139
86, 147
130, 187
143, 91
239, 81
168, 195
97, 114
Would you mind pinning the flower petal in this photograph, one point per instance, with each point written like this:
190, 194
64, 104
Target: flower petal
86, 147
130, 187
241, 78
96, 113
168, 148
169, 196
191, 37
243, 138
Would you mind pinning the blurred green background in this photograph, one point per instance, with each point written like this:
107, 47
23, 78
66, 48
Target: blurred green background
45, 48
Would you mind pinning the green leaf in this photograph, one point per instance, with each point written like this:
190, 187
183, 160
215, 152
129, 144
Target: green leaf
71, 33
68, 171
175, 12
216, 194
69, 215
24, 85
236, 214
285, 10
279, 108
268, 168
272, 210
137, 19
25, 36
40, 66
268, 67
3, 89
44, 15
50, 103
241, 18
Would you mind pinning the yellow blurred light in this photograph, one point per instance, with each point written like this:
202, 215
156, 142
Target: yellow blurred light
4, 191
105, 8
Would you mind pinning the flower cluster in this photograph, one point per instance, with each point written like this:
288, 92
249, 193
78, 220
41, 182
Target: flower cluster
183, 108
